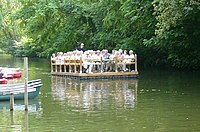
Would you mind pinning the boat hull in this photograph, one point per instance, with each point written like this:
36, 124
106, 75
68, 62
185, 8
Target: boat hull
18, 90
20, 96
10, 73
3, 81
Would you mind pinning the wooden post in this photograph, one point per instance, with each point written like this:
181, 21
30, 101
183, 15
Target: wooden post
101, 64
116, 64
64, 65
81, 65
11, 101
70, 65
60, 67
26, 83
56, 67
75, 64
136, 62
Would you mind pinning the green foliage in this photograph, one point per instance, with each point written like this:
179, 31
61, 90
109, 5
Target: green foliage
177, 30
161, 32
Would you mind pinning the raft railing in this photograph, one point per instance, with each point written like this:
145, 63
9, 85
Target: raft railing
76, 65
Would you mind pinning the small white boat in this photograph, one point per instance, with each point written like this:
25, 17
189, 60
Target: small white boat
18, 90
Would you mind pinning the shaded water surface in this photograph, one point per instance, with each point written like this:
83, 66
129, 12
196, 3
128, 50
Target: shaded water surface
158, 101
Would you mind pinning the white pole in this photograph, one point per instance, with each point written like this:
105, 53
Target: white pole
26, 83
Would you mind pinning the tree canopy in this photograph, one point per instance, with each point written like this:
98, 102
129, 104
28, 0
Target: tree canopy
161, 32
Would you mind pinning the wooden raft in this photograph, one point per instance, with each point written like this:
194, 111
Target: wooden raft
74, 69
104, 75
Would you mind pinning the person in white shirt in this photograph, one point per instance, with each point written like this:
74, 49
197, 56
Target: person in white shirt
131, 55
126, 59
131, 59
87, 65
97, 61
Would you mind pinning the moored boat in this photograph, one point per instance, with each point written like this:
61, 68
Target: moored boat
3, 81
9, 73
18, 90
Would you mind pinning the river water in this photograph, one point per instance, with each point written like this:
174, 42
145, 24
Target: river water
158, 101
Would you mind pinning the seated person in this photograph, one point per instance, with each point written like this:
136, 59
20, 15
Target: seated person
87, 64
111, 64
105, 58
97, 62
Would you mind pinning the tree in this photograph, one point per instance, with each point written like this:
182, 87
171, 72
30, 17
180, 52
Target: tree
10, 30
178, 31
161, 32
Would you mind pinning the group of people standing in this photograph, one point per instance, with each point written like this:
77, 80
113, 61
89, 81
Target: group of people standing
97, 61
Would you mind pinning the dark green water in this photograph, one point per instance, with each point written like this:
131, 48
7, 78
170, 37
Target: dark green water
159, 101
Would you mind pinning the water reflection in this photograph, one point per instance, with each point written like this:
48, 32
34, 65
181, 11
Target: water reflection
17, 120
34, 105
95, 94
15, 127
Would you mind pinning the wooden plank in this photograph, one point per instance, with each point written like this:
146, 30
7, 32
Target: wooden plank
95, 74
98, 75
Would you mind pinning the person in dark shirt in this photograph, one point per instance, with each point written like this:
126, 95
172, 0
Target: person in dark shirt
81, 48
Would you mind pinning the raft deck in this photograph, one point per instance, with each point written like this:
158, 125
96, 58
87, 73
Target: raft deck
104, 75
74, 69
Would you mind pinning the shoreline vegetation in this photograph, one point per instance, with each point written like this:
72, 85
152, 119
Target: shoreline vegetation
161, 33
1, 51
